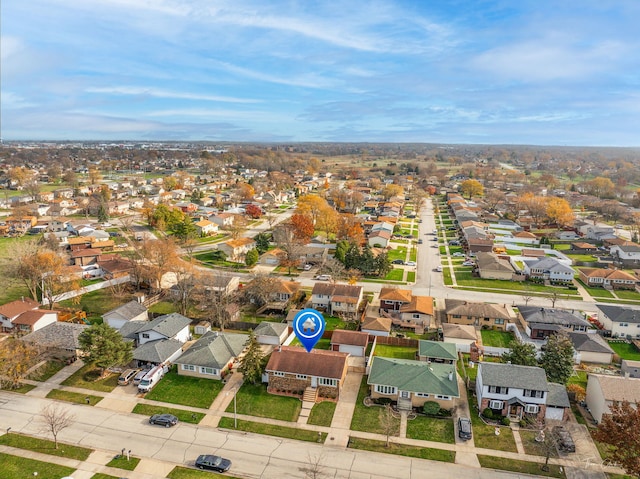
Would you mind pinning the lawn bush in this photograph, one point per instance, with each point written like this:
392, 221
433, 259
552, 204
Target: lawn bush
431, 408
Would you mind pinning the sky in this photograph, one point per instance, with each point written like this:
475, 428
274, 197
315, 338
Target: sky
538, 72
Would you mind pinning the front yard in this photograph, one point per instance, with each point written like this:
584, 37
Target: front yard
254, 400
88, 377
369, 419
485, 435
431, 429
185, 390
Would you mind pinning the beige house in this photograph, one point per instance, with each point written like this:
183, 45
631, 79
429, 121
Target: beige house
603, 390
236, 249
212, 355
478, 314
607, 278
490, 266
206, 227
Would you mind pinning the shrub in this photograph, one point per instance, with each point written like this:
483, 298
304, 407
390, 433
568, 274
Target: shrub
384, 401
505, 421
431, 408
488, 413
445, 412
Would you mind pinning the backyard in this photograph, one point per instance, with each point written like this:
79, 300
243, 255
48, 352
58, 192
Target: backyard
625, 350
398, 352
498, 339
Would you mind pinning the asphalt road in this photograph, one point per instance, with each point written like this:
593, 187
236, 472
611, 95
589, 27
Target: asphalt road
252, 455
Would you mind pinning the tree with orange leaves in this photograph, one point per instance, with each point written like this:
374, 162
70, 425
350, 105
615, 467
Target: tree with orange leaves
349, 228
302, 227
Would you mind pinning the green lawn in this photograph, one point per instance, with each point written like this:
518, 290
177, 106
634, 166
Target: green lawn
21, 389
398, 253
324, 343
44, 446
181, 414
74, 397
98, 302
88, 377
396, 274
333, 322
411, 277
484, 434
522, 467
596, 292
498, 339
578, 377
431, 429
121, 462
402, 450
47, 370
163, 307
180, 472
400, 352
368, 419
11, 289
100, 475
271, 430
466, 279
623, 294
254, 400
531, 446
322, 413
185, 390
625, 350
16, 467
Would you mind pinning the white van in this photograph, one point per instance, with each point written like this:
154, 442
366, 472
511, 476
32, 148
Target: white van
149, 381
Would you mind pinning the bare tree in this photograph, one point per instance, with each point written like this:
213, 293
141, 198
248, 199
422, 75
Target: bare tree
554, 297
55, 418
314, 468
527, 296
388, 423
214, 300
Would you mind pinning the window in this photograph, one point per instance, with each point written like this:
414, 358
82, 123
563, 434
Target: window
188, 367
531, 393
422, 395
387, 390
496, 404
446, 398
145, 335
416, 316
327, 382
211, 371
278, 373
623, 325
486, 319
301, 376
498, 321
498, 390
456, 316
531, 408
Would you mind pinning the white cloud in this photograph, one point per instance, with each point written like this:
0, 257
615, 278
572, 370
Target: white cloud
159, 93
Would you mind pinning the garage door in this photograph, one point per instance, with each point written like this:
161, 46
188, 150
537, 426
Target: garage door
554, 413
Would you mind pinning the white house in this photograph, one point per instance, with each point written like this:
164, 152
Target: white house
603, 390
622, 321
168, 326
548, 269
628, 255
131, 311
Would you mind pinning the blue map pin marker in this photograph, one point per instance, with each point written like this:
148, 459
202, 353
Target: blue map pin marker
308, 325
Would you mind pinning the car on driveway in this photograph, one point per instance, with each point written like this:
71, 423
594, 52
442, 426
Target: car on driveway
166, 420
213, 463
420, 241
464, 428
397, 261
457, 254
468, 263
410, 263
323, 277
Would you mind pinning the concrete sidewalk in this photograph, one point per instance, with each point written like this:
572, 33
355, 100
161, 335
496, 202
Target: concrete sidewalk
341, 423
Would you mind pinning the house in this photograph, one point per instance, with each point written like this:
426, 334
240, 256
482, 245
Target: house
412, 383
621, 321
459, 334
548, 269
206, 227
603, 390
236, 249
478, 314
350, 342
280, 295
222, 284
630, 368
627, 256
222, 219
405, 309
212, 355
271, 333
337, 299
131, 311
58, 339
380, 238
376, 326
540, 323
566, 235
34, 319
291, 371
437, 352
607, 278
392, 299
590, 348
512, 390
154, 353
168, 326
10, 311
272, 257
491, 266
85, 256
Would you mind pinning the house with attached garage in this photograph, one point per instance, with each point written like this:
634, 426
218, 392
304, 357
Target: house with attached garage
131, 311
236, 249
337, 299
271, 333
58, 339
548, 269
517, 391
621, 321
406, 309
212, 355
607, 278
478, 314
412, 383
603, 390
540, 323
627, 256
295, 372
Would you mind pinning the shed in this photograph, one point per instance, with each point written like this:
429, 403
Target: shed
350, 342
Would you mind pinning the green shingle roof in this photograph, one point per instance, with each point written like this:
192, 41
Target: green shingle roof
437, 349
414, 376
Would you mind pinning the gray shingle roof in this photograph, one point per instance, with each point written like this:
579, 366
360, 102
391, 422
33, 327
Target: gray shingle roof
168, 325
589, 342
557, 396
157, 351
267, 328
128, 310
214, 350
414, 376
562, 317
617, 314
57, 335
513, 376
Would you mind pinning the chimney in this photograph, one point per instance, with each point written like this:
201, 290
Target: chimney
450, 375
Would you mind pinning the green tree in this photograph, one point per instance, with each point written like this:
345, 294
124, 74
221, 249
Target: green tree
185, 229
251, 257
252, 364
521, 353
557, 359
263, 241
341, 250
383, 265
104, 347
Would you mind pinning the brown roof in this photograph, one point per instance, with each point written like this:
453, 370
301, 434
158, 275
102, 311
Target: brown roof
31, 317
81, 240
355, 338
607, 273
419, 304
329, 289
103, 244
115, 265
583, 245
79, 253
236, 243
377, 324
536, 253
326, 364
524, 234
395, 294
289, 287
618, 388
459, 331
14, 308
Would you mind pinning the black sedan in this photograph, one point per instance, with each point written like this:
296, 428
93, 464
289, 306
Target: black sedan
166, 420
213, 463
397, 261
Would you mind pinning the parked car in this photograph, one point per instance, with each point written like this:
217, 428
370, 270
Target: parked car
434, 246
323, 277
420, 241
468, 263
397, 261
127, 376
410, 263
138, 377
166, 420
305, 267
457, 254
213, 463
464, 428
563, 439
438, 269
454, 243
